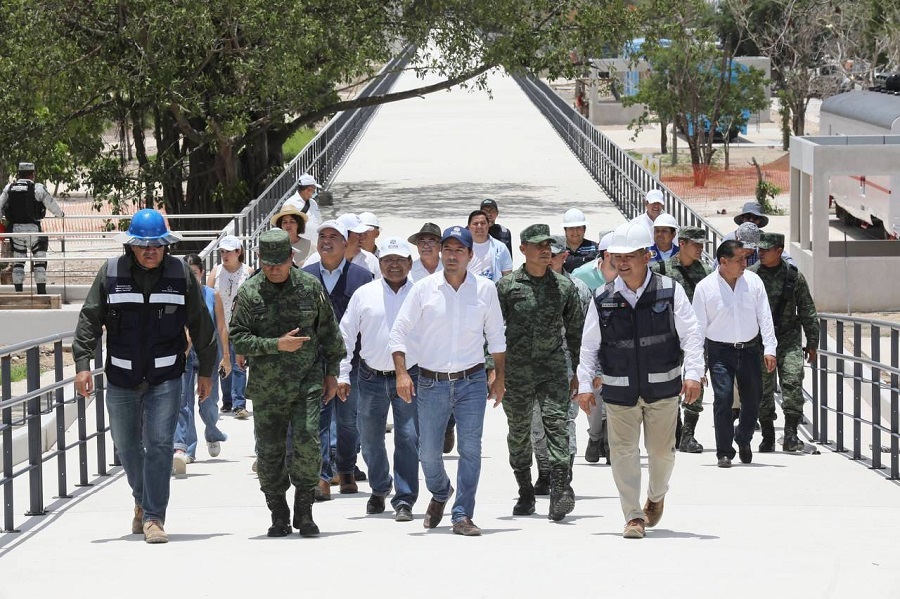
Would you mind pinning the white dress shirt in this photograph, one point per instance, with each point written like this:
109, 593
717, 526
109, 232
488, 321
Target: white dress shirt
419, 272
363, 258
689, 335
372, 311
735, 315
330, 278
451, 325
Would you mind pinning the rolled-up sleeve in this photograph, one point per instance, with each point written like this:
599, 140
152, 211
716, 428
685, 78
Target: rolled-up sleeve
688, 327
590, 347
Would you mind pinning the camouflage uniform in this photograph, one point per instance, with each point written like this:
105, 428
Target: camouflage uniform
535, 311
286, 387
798, 311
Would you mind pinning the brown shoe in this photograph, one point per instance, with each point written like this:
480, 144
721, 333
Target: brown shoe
653, 511
154, 533
137, 523
634, 529
348, 484
323, 491
435, 511
466, 528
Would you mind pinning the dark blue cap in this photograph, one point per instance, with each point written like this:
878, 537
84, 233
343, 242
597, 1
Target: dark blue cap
460, 234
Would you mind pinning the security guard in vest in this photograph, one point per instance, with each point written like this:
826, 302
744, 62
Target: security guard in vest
145, 299
793, 309
636, 330
23, 204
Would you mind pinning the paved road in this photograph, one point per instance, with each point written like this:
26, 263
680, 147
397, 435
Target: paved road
785, 526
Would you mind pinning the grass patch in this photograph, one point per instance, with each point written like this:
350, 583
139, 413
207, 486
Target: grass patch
17, 372
295, 144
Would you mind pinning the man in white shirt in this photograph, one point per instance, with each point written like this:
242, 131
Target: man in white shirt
654, 205
307, 189
370, 316
733, 310
451, 315
428, 243
367, 240
490, 258
635, 331
354, 253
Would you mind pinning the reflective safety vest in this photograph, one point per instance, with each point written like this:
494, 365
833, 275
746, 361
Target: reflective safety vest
640, 353
22, 206
145, 339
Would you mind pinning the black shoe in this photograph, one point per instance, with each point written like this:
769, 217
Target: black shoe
18, 287
592, 453
303, 520
375, 505
226, 408
745, 453
41, 288
404, 514
724, 462
358, 474
542, 484
561, 502
768, 437
281, 514
526, 504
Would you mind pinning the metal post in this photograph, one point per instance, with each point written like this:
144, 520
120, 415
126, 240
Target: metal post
100, 412
876, 396
823, 385
895, 405
33, 424
857, 392
61, 471
839, 388
5, 394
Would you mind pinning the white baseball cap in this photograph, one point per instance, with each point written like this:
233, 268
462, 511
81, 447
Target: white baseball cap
574, 218
368, 218
655, 196
394, 246
352, 223
230, 243
306, 180
333, 224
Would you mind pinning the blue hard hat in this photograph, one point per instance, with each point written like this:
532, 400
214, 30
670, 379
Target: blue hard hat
148, 227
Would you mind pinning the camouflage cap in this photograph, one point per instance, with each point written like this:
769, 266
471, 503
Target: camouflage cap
558, 244
693, 234
536, 234
748, 234
274, 247
767, 241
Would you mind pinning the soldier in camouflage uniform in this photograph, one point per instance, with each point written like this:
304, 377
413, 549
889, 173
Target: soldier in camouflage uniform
687, 267
792, 309
284, 320
537, 304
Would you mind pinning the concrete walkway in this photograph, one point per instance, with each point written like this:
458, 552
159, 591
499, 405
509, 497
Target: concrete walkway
784, 526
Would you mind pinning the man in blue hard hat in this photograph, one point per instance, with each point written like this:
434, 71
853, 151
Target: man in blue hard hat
145, 299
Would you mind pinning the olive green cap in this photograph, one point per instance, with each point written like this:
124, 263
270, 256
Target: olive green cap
536, 234
693, 234
767, 241
274, 247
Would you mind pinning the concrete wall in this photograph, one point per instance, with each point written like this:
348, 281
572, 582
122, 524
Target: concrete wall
856, 283
764, 64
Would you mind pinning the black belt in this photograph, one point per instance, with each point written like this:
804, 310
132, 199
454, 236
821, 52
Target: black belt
450, 376
384, 373
742, 345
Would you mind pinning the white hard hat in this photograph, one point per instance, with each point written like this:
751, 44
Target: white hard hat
666, 220
630, 237
574, 218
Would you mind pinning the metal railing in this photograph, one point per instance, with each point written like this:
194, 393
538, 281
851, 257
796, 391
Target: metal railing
321, 158
624, 180
870, 416
26, 412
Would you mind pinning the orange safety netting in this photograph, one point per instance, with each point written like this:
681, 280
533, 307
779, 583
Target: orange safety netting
722, 184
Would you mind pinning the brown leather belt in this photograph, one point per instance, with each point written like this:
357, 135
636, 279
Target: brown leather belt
450, 376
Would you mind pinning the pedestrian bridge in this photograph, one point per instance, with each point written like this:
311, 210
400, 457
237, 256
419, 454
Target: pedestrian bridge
823, 525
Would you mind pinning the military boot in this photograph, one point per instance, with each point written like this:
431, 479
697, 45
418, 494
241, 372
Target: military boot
525, 505
542, 484
561, 503
604, 439
791, 441
303, 520
768, 436
688, 443
679, 429
281, 515
569, 490
18, 287
42, 288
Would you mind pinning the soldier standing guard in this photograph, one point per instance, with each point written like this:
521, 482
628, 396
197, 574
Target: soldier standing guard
792, 309
285, 321
537, 303
24, 204
687, 267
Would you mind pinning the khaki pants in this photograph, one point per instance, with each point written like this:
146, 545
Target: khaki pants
624, 426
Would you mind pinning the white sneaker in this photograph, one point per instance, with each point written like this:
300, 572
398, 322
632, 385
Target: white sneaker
179, 464
214, 448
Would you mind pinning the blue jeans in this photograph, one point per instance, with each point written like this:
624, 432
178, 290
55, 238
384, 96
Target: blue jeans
186, 429
725, 365
378, 394
465, 399
142, 423
234, 384
344, 413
